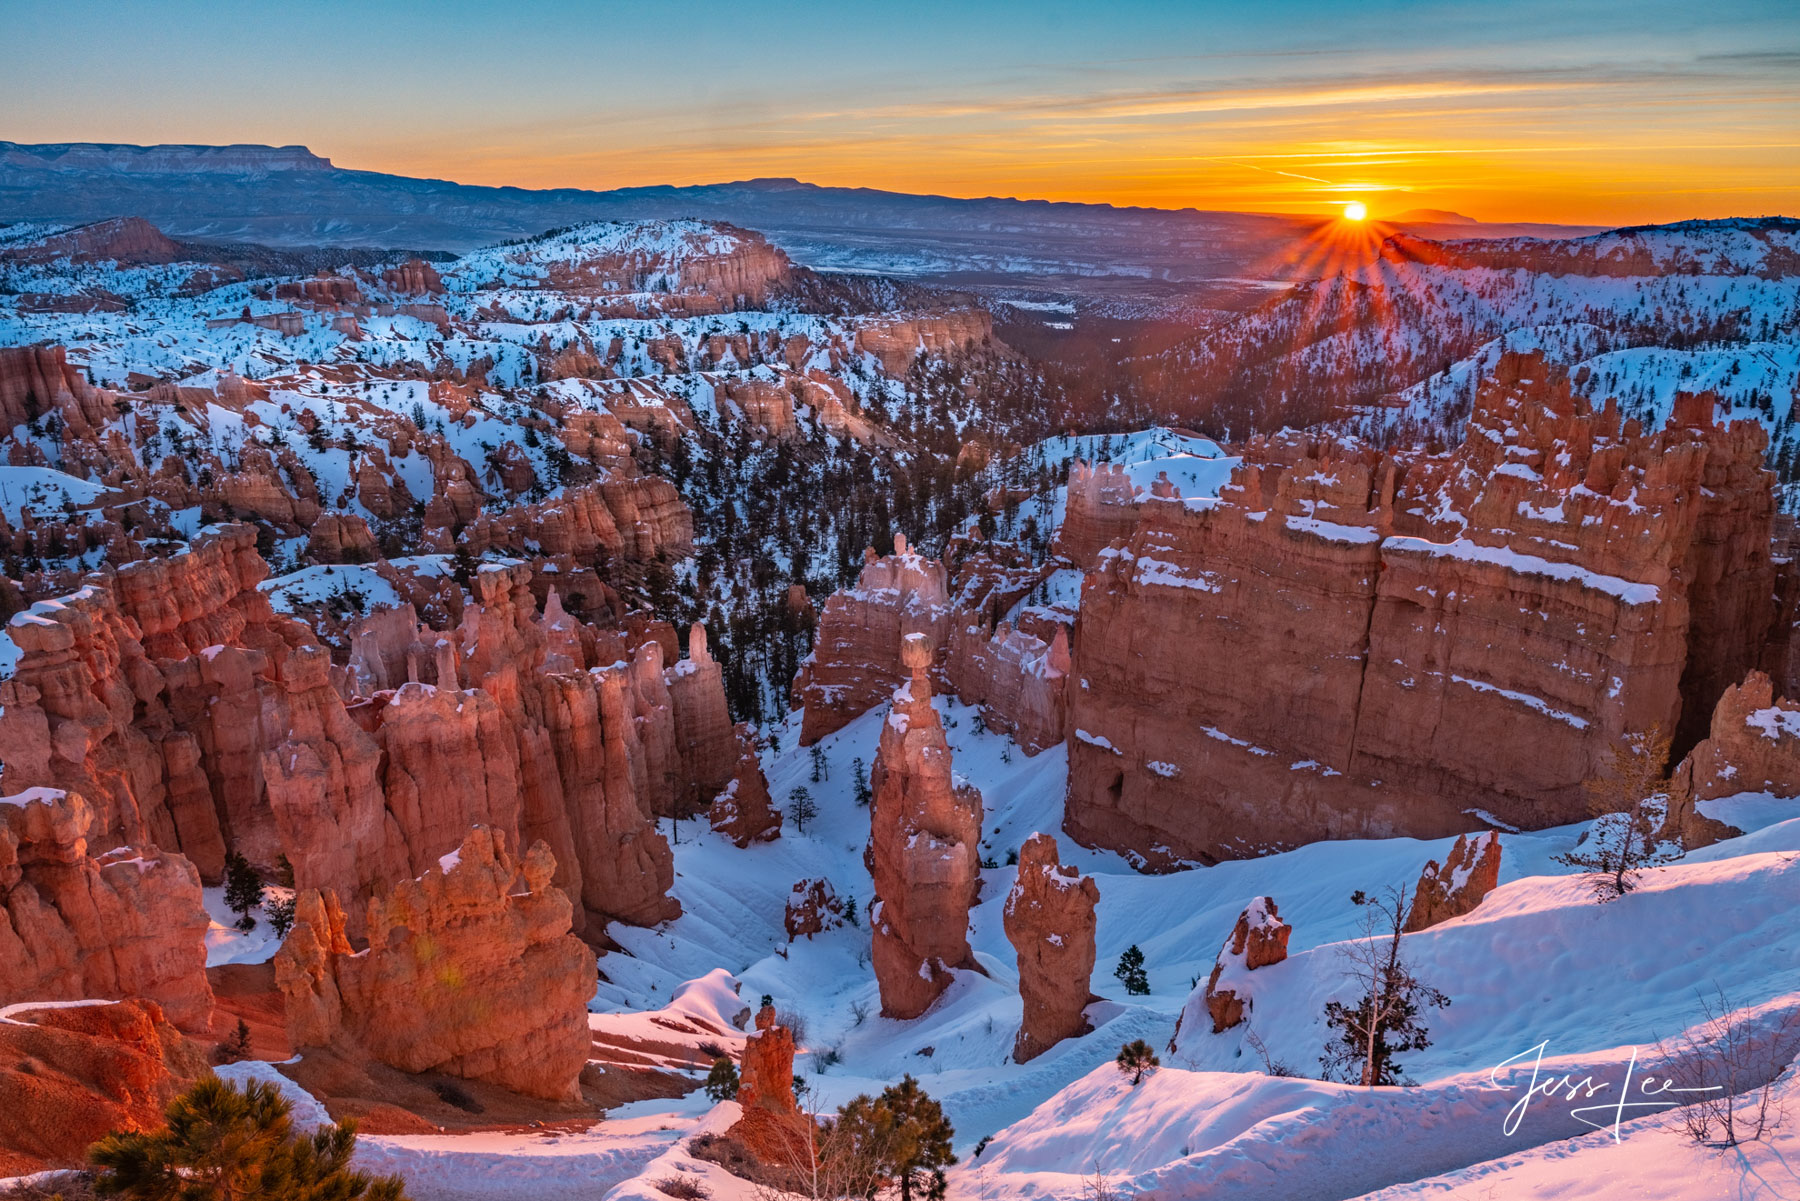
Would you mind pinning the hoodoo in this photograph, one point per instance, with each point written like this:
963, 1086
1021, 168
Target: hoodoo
925, 827
1050, 922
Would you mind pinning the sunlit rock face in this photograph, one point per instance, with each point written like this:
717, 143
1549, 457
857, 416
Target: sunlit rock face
70, 1075
1352, 644
855, 662
925, 828
463, 975
73, 926
1469, 872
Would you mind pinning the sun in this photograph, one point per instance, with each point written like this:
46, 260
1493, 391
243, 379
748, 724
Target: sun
1356, 210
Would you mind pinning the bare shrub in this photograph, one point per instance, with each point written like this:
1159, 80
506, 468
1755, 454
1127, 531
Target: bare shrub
794, 1021
682, 1188
1725, 1069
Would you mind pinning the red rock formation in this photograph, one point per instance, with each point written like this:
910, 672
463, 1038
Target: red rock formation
128, 241
1259, 939
634, 517
1050, 922
674, 267
925, 828
70, 1076
450, 760
127, 924
1349, 645
772, 1125
204, 596
1754, 746
341, 538
767, 406
414, 277
626, 867
1469, 873
321, 773
743, 812
1018, 679
1102, 508
705, 739
462, 975
813, 907
855, 659
326, 290
897, 340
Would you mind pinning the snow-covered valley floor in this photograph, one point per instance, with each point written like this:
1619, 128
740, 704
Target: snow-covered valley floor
1539, 962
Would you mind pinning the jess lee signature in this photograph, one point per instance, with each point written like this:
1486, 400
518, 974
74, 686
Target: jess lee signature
1654, 1093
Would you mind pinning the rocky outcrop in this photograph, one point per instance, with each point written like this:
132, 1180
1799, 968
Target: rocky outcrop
71, 1075
925, 828
898, 339
1753, 746
743, 812
414, 277
637, 268
1469, 873
463, 975
321, 772
1258, 940
772, 1126
341, 538
707, 742
766, 405
1352, 644
1102, 508
1049, 919
1019, 680
813, 907
129, 923
855, 661
635, 517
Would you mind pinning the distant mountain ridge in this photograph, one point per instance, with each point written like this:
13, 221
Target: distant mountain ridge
288, 196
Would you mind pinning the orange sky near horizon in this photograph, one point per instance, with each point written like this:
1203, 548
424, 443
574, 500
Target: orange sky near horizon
1599, 112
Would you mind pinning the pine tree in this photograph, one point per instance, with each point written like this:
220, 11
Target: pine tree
904, 1135
801, 808
722, 1081
1137, 1059
223, 1144
1628, 804
863, 795
243, 889
281, 915
820, 768
1131, 972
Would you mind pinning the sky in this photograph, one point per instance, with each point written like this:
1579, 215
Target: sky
1582, 112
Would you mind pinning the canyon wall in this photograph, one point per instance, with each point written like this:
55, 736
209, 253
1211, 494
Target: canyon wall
1346, 644
195, 719
128, 923
1017, 676
462, 975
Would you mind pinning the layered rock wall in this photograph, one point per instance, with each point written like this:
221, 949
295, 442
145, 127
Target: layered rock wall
129, 923
855, 662
1345, 644
1102, 508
